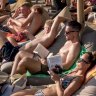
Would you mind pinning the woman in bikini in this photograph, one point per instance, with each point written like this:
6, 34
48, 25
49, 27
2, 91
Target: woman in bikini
68, 84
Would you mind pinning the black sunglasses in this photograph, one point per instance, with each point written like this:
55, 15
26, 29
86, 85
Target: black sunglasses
82, 60
66, 33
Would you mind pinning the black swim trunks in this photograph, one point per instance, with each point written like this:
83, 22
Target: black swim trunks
44, 69
8, 51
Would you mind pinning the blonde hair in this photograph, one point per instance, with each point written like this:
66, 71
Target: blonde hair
49, 22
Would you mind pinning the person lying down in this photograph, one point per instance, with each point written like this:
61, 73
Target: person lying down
65, 85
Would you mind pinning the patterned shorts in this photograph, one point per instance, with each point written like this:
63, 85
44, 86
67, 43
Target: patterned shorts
39, 93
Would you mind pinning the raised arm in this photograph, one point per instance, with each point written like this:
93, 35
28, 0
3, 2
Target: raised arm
4, 17
16, 13
55, 25
25, 22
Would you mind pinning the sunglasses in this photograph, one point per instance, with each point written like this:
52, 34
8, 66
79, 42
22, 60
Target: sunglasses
82, 60
66, 33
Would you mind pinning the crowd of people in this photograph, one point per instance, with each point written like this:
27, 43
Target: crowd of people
23, 25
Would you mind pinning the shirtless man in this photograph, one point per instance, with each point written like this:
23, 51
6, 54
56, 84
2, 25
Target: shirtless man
68, 84
24, 22
25, 60
20, 16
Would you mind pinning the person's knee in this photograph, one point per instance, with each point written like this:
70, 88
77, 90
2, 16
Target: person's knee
19, 54
7, 67
23, 62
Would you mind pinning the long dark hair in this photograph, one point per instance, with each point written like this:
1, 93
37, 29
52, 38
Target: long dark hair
91, 59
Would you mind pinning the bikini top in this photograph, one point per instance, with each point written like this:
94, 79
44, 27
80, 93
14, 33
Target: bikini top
67, 80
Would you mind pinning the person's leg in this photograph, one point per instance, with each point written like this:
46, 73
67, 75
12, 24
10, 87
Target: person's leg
29, 64
12, 41
18, 57
2, 38
22, 58
49, 91
4, 17
27, 92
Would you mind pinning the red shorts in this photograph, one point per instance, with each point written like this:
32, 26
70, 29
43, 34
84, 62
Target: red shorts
18, 37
